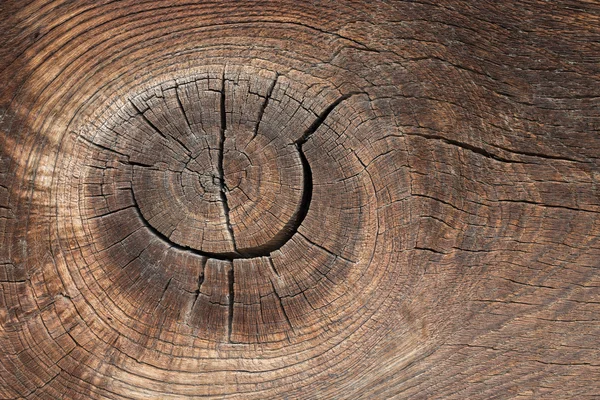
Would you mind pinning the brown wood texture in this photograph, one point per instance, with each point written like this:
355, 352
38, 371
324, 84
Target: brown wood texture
299, 200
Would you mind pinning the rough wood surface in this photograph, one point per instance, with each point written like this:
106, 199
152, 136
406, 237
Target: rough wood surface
299, 200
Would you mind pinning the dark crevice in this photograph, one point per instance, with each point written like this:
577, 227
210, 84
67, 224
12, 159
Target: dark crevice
141, 113
105, 214
291, 226
164, 291
429, 249
200, 282
101, 147
181, 108
296, 220
264, 106
331, 253
140, 164
221, 177
538, 155
308, 187
466, 146
547, 205
159, 234
272, 265
322, 117
230, 277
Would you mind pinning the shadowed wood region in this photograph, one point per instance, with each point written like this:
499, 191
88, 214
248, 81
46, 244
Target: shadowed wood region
299, 200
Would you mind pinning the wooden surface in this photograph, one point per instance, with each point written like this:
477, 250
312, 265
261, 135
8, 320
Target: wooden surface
299, 200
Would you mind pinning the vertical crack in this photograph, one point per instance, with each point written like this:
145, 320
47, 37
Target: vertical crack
198, 287
221, 178
162, 296
182, 108
230, 281
293, 225
167, 239
165, 289
264, 105
307, 192
200, 282
290, 228
272, 265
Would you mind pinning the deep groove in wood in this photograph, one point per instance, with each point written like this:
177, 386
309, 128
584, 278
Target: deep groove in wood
221, 177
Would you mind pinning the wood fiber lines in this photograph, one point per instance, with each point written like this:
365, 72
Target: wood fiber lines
296, 200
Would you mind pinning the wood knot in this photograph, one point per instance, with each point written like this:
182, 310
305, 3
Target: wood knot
205, 183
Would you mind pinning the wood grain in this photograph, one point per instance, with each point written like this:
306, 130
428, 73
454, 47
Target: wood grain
299, 200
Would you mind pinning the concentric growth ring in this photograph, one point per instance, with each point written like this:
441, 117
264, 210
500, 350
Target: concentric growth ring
213, 166
238, 194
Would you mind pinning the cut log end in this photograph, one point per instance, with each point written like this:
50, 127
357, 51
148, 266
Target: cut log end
376, 200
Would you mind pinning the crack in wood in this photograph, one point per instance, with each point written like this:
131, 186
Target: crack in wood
187, 120
283, 235
221, 177
264, 106
289, 228
200, 282
155, 128
166, 239
471, 221
322, 117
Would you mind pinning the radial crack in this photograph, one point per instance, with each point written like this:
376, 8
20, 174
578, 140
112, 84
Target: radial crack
164, 291
200, 282
272, 265
285, 231
331, 253
102, 147
264, 106
322, 117
187, 121
221, 177
155, 128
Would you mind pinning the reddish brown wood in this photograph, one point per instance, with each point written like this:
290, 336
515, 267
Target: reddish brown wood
299, 200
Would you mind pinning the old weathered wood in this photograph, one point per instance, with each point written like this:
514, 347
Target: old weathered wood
299, 200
